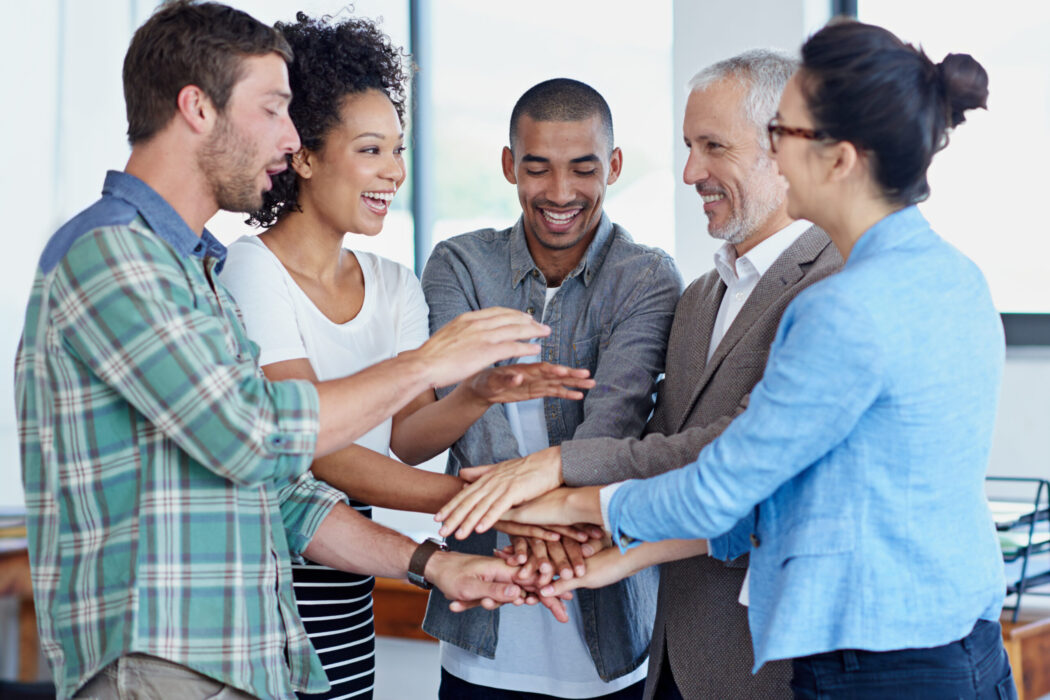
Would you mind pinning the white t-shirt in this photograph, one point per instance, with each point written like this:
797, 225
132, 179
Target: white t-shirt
535, 653
286, 324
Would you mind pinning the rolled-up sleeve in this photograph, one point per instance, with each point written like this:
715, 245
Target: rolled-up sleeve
305, 502
123, 307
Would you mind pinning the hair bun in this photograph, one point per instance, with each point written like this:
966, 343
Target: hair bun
965, 85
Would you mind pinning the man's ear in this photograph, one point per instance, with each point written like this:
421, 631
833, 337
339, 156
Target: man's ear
196, 109
615, 165
508, 166
302, 163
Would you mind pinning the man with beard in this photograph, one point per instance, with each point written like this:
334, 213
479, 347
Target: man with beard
609, 302
723, 327
166, 479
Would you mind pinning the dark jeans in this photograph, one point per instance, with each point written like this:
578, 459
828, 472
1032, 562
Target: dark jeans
453, 688
975, 668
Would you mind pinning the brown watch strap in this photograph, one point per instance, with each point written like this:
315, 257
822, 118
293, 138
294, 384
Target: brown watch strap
418, 563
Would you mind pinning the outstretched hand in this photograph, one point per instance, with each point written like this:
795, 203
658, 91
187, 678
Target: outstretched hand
521, 382
486, 581
540, 561
553, 533
563, 506
501, 486
472, 341
611, 565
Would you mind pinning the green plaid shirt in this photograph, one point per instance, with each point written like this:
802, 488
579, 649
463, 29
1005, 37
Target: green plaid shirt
166, 480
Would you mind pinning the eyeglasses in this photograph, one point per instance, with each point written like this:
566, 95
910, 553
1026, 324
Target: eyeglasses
776, 130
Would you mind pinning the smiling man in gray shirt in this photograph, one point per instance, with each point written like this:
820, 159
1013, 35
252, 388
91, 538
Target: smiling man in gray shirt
609, 302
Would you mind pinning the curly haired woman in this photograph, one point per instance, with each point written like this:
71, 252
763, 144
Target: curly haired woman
319, 310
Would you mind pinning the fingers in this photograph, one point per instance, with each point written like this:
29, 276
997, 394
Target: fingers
593, 546
579, 533
453, 512
481, 504
486, 513
487, 603
508, 555
496, 591
575, 555
556, 606
505, 323
493, 316
561, 587
543, 566
462, 605
479, 508
525, 530
559, 557
472, 474
521, 549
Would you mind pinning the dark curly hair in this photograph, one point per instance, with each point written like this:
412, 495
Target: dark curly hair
333, 59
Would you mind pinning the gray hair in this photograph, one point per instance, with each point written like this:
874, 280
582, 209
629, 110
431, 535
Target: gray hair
764, 72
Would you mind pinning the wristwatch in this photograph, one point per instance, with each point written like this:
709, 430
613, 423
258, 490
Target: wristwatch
418, 563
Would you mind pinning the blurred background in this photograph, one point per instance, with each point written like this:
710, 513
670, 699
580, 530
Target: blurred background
63, 123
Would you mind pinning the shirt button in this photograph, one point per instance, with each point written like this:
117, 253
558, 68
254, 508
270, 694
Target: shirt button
739, 296
531, 310
755, 542
626, 541
535, 273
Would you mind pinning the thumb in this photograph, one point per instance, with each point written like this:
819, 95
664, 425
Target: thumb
472, 474
558, 588
494, 590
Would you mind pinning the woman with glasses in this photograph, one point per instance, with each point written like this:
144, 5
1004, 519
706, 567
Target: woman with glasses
319, 310
874, 560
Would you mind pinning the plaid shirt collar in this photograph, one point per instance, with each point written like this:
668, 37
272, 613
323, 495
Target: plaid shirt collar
163, 218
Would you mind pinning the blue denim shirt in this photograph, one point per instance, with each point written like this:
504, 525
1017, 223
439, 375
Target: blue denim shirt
612, 315
866, 443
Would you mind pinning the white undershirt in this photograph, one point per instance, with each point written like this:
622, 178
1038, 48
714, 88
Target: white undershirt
535, 653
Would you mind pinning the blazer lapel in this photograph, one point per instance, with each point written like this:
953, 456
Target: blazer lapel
785, 272
687, 347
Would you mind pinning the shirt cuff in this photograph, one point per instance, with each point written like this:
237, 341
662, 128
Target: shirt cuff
604, 498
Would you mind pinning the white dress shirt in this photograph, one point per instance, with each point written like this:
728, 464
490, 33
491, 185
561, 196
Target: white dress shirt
741, 274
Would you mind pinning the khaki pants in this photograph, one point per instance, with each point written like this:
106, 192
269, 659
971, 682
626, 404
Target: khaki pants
143, 677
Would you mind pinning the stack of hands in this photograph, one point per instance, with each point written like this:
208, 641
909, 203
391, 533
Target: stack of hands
557, 541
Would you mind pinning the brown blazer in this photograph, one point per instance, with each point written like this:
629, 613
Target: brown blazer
699, 623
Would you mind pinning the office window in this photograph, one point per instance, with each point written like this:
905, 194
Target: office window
988, 186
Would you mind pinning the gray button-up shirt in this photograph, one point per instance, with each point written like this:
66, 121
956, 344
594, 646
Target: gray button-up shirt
611, 315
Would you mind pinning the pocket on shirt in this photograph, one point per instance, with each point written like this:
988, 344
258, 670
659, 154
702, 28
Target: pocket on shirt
585, 353
817, 537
